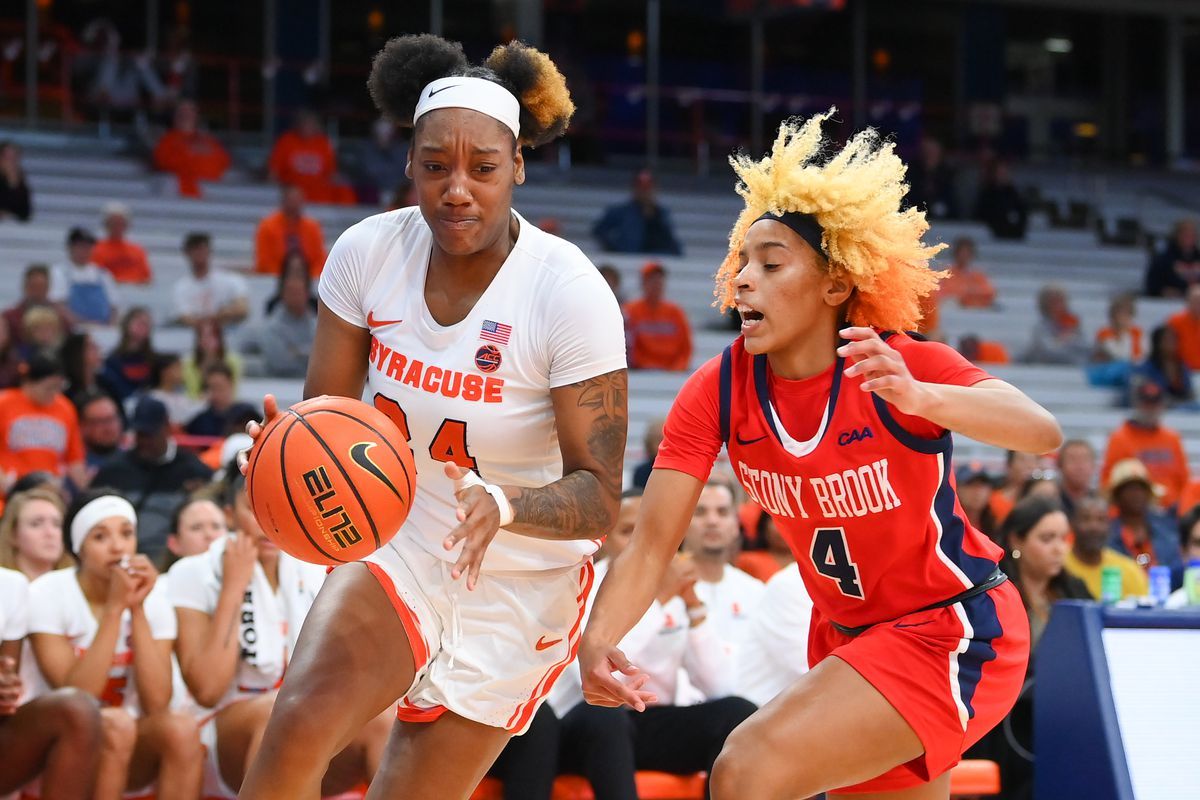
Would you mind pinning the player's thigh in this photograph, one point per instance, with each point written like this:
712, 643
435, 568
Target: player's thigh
28, 734
831, 728
238, 725
352, 660
441, 760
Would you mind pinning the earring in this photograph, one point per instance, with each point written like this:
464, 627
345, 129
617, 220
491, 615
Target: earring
1016, 553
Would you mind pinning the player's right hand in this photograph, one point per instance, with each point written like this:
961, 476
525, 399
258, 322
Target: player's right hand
255, 429
681, 575
10, 686
123, 586
237, 563
597, 663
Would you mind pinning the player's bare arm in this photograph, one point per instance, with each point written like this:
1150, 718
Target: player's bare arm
991, 411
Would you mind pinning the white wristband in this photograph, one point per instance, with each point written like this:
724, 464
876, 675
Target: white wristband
502, 501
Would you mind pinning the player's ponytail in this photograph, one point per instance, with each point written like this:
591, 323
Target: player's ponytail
405, 65
528, 73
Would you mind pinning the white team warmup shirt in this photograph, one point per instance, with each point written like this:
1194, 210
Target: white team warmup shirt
269, 621
478, 389
731, 604
57, 605
14, 605
775, 653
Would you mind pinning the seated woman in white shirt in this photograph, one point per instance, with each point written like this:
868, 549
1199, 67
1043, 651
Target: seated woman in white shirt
106, 627
197, 522
240, 605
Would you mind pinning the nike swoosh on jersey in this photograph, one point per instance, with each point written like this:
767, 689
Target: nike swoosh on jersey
745, 442
542, 644
360, 456
432, 92
380, 323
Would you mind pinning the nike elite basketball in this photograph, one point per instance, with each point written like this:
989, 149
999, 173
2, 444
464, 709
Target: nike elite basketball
330, 480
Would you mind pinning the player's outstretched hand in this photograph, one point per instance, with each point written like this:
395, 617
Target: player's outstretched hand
884, 369
601, 687
255, 429
478, 520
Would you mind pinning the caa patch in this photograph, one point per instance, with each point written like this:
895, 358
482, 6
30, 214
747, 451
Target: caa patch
852, 436
487, 358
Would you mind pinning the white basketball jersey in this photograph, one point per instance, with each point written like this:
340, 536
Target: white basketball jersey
476, 393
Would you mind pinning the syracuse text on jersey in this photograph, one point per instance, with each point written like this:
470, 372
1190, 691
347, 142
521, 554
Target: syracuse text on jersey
450, 383
838, 495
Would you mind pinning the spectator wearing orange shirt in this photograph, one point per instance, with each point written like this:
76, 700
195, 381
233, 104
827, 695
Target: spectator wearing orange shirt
1118, 346
123, 258
657, 332
1158, 447
288, 230
189, 153
39, 428
1019, 468
982, 351
1138, 528
965, 283
304, 157
1186, 325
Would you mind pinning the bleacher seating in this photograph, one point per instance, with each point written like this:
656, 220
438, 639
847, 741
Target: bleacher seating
71, 183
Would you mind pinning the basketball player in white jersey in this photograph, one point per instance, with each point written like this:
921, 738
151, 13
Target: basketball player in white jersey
498, 350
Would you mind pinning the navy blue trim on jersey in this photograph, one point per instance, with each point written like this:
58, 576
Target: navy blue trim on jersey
986, 628
942, 444
762, 387
954, 531
726, 392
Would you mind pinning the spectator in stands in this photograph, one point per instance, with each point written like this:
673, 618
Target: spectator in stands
89, 291
294, 266
982, 351
775, 652
222, 405
41, 333
1043, 483
965, 282
650, 441
1118, 346
102, 428
382, 161
14, 189
1189, 540
39, 429
639, 225
1138, 529
166, 385
125, 260
1018, 469
208, 292
1057, 337
1177, 266
189, 153
10, 357
154, 475
35, 291
285, 338
31, 540
208, 349
127, 368
1090, 552
607, 745
657, 331
108, 628
1186, 324
1145, 438
613, 278
286, 231
304, 157
1165, 367
931, 182
975, 494
1077, 472
84, 367
999, 205
768, 554
198, 521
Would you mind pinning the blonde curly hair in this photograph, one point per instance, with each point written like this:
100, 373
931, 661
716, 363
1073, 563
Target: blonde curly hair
855, 196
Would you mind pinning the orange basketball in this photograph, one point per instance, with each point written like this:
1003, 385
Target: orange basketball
330, 480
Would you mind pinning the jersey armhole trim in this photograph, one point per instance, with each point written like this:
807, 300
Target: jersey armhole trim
912, 442
726, 389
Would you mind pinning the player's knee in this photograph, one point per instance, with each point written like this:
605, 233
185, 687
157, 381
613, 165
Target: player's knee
118, 732
179, 737
75, 714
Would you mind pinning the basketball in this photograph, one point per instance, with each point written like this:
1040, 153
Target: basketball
330, 480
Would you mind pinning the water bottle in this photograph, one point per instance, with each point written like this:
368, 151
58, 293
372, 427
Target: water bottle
1160, 584
1110, 585
1191, 582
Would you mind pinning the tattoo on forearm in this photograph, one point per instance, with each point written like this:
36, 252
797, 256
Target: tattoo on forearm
580, 505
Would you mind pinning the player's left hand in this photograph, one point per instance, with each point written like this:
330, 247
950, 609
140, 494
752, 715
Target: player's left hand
478, 520
884, 369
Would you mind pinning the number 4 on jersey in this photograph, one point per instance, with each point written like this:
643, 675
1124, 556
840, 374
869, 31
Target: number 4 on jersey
449, 444
831, 557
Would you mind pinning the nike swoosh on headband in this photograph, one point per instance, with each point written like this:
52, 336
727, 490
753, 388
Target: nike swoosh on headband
432, 92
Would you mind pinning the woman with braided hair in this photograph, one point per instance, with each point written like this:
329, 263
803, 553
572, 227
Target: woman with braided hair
498, 351
840, 427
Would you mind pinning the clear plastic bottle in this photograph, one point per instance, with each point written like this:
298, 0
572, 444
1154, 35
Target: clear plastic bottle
1191, 582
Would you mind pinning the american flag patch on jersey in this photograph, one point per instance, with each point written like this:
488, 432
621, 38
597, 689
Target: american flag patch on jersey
496, 332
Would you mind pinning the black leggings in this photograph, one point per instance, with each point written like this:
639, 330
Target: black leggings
529, 762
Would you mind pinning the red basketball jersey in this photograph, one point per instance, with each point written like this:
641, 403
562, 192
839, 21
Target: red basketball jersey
868, 507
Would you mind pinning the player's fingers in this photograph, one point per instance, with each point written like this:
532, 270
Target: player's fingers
453, 471
859, 333
873, 364
7, 664
270, 407
882, 383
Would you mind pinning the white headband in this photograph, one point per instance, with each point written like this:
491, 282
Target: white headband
95, 512
477, 94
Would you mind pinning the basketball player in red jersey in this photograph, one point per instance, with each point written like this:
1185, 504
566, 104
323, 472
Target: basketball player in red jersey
841, 431
498, 351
